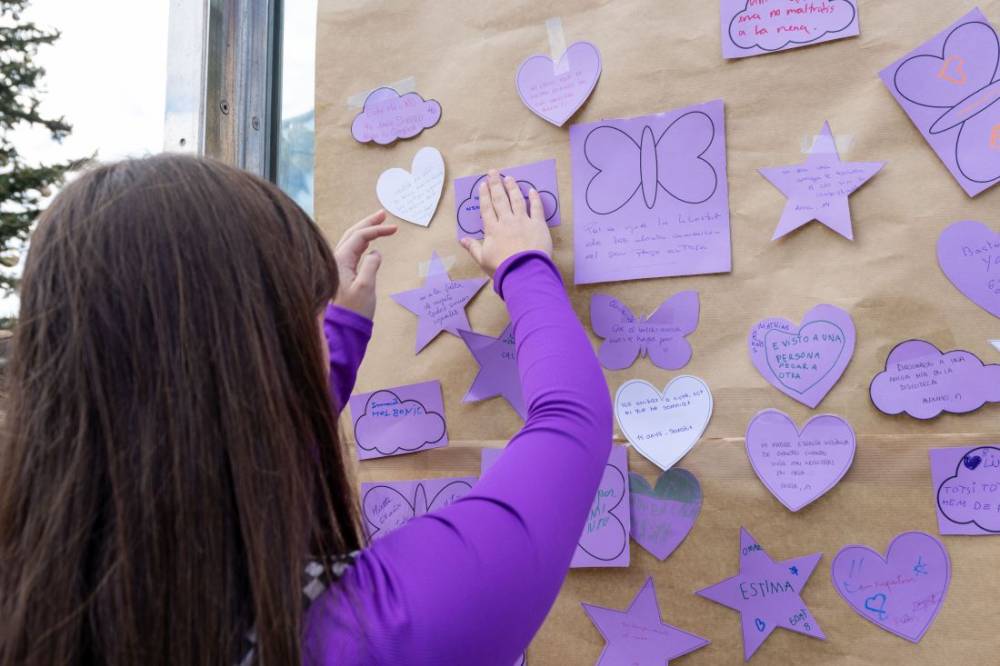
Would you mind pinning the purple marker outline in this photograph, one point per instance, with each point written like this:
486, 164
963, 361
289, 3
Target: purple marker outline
641, 184
946, 116
958, 469
850, 3
610, 512
398, 448
885, 560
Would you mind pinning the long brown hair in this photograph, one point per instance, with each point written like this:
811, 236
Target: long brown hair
170, 455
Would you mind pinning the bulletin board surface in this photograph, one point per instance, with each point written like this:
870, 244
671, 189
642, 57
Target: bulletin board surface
659, 56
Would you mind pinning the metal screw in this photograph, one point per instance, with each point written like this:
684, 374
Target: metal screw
255, 123
224, 107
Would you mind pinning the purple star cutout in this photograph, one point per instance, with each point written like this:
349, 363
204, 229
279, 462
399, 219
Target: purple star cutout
497, 368
767, 594
638, 636
439, 303
818, 188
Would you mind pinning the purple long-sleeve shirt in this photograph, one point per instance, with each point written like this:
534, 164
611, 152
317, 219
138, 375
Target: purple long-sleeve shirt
472, 583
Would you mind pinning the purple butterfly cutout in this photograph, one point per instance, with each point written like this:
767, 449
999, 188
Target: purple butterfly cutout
661, 335
385, 508
964, 82
673, 162
597, 542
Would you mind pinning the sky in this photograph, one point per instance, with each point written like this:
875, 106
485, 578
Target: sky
106, 75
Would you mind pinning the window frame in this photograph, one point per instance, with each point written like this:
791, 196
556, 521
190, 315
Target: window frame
224, 81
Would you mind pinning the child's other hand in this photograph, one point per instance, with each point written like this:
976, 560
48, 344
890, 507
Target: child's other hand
357, 266
510, 225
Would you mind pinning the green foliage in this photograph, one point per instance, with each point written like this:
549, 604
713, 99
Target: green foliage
24, 185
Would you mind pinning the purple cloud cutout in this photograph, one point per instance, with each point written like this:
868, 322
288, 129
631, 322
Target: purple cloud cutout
923, 382
470, 220
388, 116
390, 425
809, 27
978, 467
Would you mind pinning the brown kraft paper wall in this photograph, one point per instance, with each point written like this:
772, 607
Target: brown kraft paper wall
660, 55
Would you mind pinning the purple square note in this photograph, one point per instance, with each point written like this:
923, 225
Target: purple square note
950, 87
967, 489
398, 420
538, 175
386, 505
604, 542
650, 196
755, 27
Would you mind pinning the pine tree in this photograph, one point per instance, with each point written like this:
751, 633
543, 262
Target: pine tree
24, 186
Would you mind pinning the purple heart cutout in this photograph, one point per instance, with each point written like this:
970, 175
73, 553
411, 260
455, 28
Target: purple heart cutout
969, 255
799, 466
662, 516
804, 362
555, 91
902, 592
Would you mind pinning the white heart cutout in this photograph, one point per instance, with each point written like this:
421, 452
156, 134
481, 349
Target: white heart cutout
413, 195
663, 427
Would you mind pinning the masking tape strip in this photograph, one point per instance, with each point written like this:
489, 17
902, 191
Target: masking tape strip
403, 86
557, 44
815, 143
424, 267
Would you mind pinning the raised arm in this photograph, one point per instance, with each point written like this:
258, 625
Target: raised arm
473, 582
347, 322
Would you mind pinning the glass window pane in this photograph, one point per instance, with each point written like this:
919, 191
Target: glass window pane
296, 141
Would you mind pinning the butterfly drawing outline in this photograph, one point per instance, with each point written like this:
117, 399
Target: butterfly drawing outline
605, 146
408, 510
968, 89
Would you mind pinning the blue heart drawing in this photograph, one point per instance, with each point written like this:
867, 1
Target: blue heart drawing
972, 462
760, 624
876, 604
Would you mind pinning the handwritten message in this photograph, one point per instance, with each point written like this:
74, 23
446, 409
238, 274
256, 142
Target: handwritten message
663, 427
799, 466
967, 487
661, 335
650, 196
969, 255
604, 541
902, 592
555, 90
387, 505
804, 362
439, 303
388, 116
767, 594
398, 420
922, 381
662, 516
413, 195
755, 27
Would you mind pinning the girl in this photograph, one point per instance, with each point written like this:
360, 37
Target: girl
172, 486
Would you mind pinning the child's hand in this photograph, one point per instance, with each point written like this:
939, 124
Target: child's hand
508, 228
356, 291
